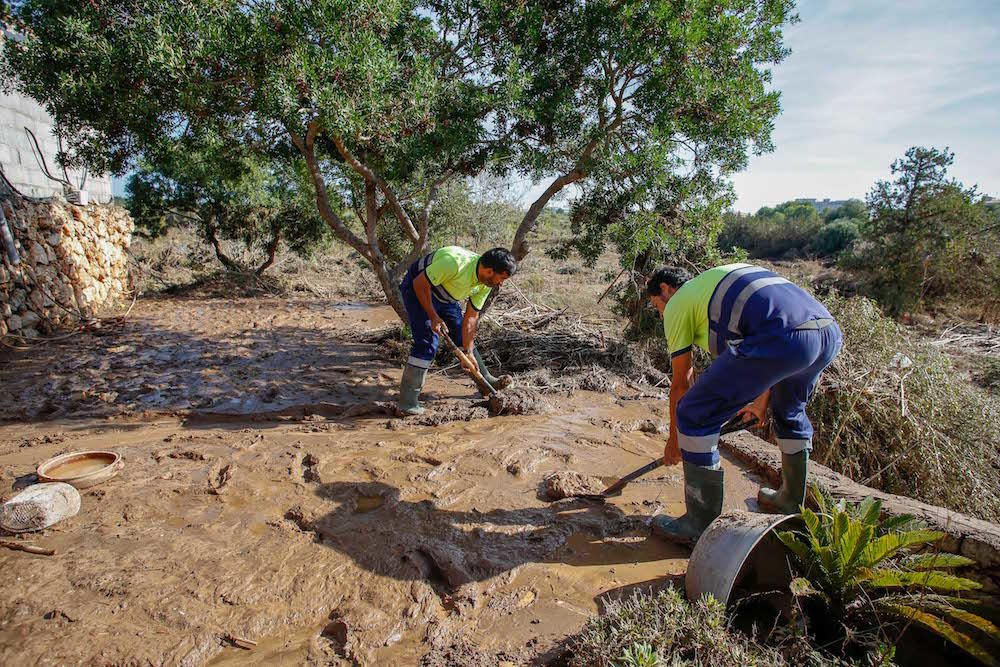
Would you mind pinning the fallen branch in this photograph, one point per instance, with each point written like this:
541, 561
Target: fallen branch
29, 548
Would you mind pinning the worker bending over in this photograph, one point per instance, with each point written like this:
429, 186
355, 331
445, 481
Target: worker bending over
767, 336
433, 290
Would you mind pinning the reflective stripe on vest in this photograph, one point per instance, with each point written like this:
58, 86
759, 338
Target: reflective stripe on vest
718, 333
440, 293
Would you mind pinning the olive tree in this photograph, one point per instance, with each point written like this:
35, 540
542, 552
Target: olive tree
226, 193
386, 101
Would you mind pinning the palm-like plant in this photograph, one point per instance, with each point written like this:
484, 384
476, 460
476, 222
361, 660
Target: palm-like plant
863, 570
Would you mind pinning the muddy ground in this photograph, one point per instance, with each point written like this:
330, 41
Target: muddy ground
268, 495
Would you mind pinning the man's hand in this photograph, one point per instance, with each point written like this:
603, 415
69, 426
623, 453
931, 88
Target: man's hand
757, 409
472, 366
438, 325
671, 452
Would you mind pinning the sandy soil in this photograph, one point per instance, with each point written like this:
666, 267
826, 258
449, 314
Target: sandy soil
266, 497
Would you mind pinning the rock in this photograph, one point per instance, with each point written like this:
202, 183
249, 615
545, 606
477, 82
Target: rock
38, 254
29, 319
14, 323
567, 483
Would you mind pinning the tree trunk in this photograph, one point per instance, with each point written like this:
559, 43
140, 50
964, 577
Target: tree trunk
229, 263
272, 250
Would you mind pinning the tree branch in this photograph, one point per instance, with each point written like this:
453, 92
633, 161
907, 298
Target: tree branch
305, 147
369, 174
271, 249
519, 247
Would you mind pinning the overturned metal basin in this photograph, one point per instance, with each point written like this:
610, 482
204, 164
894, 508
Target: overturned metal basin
739, 550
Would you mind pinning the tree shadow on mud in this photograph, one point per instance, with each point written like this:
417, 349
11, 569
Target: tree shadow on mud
161, 363
410, 540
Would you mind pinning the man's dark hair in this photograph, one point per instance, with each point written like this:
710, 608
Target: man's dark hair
674, 276
500, 260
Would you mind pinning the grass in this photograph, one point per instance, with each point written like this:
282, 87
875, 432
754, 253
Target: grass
664, 629
893, 412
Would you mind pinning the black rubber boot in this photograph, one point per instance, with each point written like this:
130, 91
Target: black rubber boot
409, 390
703, 488
497, 383
792, 494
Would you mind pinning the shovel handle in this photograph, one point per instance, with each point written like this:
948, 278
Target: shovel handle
468, 365
731, 426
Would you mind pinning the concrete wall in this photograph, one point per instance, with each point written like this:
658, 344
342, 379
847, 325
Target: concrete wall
18, 157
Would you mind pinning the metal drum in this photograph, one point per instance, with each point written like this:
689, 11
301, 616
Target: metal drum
739, 549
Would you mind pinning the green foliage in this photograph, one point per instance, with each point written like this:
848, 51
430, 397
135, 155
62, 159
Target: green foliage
665, 629
863, 577
928, 237
794, 229
638, 655
835, 237
894, 413
227, 193
656, 102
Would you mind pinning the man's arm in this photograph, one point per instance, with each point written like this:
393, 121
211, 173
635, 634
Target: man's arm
422, 288
683, 378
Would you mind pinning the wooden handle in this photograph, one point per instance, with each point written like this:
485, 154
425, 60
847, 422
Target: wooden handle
468, 365
620, 484
730, 427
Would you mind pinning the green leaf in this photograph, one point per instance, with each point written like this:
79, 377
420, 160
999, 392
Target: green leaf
882, 578
888, 545
811, 521
802, 587
940, 628
869, 510
797, 546
975, 620
936, 561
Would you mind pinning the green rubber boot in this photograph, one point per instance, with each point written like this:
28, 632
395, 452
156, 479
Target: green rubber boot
703, 502
497, 383
792, 494
409, 390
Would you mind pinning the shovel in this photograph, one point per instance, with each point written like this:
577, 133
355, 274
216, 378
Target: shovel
485, 388
615, 489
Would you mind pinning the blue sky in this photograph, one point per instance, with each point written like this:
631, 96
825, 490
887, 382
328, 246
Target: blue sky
867, 80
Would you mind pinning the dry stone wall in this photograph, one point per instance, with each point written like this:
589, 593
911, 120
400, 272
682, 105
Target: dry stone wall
73, 260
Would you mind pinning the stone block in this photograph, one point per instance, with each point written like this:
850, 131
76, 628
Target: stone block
14, 323
38, 254
30, 318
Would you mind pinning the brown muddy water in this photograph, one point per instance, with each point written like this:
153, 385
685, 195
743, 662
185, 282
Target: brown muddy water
369, 540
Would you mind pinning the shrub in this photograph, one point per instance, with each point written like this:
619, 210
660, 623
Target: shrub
864, 584
894, 413
666, 628
835, 237
928, 238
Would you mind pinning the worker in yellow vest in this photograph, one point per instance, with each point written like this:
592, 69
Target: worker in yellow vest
433, 291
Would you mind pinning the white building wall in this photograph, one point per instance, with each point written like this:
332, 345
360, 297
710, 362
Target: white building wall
18, 157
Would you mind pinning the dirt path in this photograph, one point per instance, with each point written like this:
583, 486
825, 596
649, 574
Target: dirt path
369, 539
